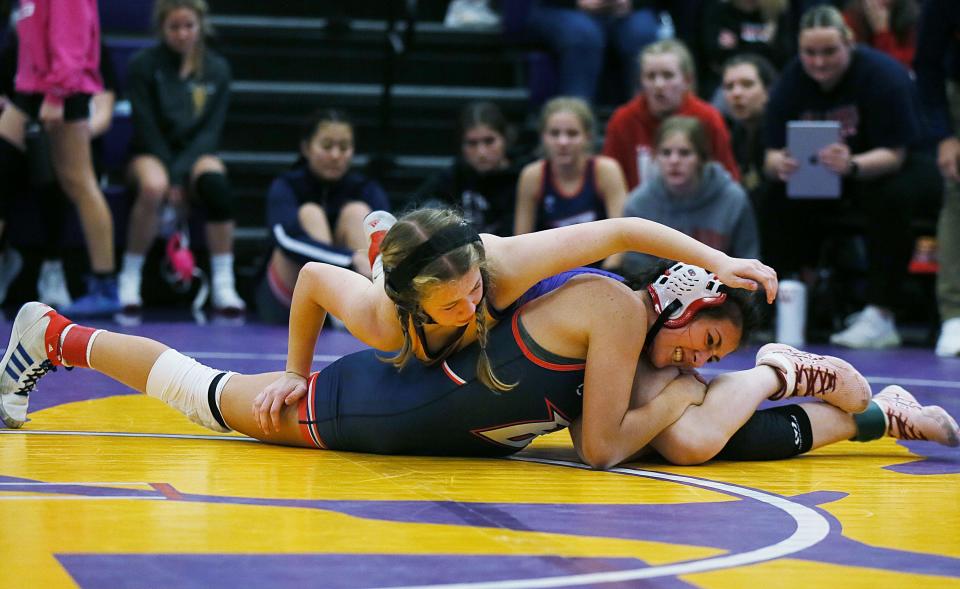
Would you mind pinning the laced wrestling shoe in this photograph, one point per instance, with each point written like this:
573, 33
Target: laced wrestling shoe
871, 329
803, 374
907, 419
52, 285
101, 300
26, 359
128, 289
948, 344
375, 227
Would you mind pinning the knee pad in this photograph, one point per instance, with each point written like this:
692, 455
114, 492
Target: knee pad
771, 434
213, 191
189, 387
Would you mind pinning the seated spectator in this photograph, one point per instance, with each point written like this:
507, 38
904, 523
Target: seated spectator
315, 212
886, 25
568, 185
731, 27
179, 90
692, 194
579, 36
883, 171
747, 79
666, 79
482, 182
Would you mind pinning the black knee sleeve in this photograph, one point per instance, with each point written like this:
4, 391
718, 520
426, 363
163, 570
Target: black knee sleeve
213, 191
771, 434
13, 167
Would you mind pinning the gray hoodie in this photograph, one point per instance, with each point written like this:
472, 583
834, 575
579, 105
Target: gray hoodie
719, 214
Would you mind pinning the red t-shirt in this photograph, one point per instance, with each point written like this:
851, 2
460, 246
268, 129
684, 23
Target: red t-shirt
632, 129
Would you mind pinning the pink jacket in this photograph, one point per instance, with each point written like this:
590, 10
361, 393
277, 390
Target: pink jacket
59, 48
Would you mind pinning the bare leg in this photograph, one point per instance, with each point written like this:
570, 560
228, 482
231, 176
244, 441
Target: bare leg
703, 430
349, 234
829, 424
150, 178
70, 146
129, 360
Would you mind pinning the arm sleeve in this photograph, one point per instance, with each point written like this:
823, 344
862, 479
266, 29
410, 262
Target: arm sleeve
144, 109
282, 207
207, 138
933, 40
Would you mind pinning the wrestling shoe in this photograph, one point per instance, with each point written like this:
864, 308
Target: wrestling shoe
375, 227
907, 419
870, 329
52, 285
803, 374
36, 328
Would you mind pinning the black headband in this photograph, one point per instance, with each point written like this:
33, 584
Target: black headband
442, 242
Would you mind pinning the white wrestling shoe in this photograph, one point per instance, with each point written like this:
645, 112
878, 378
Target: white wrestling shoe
375, 227
25, 361
803, 374
907, 419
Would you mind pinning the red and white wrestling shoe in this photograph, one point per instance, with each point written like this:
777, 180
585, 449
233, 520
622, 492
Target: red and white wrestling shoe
803, 374
907, 419
33, 351
375, 227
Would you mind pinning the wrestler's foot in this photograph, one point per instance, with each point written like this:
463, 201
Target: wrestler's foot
907, 419
36, 329
375, 227
803, 374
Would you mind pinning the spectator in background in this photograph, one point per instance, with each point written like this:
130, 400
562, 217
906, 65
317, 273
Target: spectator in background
938, 47
482, 182
692, 194
568, 185
733, 27
51, 280
883, 173
667, 80
886, 25
315, 212
579, 36
179, 90
58, 63
747, 79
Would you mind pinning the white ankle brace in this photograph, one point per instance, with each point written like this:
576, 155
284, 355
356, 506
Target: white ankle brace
189, 387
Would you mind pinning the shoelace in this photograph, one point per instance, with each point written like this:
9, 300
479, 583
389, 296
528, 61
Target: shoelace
818, 380
898, 421
34, 375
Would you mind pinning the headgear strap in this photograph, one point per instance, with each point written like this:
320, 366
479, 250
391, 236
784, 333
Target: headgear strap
680, 293
442, 242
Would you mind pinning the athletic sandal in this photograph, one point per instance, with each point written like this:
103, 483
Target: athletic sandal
803, 374
36, 327
907, 419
